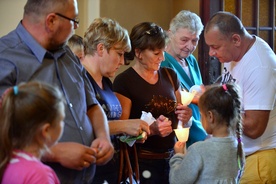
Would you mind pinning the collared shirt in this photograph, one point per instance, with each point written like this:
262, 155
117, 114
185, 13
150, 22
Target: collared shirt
23, 59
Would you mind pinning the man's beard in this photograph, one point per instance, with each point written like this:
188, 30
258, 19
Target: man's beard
54, 46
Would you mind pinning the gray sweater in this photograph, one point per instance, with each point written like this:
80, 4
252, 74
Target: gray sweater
213, 161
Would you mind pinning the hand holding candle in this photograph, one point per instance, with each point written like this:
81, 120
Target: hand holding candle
186, 99
181, 133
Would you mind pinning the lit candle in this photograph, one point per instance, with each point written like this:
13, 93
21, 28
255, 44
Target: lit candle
182, 134
187, 97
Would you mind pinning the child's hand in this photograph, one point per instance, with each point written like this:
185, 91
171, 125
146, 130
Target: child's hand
180, 147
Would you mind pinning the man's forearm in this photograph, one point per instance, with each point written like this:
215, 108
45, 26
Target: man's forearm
99, 121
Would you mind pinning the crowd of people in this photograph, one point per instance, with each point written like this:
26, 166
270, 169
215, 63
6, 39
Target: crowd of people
63, 118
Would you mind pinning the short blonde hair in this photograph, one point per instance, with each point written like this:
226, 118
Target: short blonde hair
109, 33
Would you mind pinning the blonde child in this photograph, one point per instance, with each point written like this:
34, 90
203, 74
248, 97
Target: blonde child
31, 117
220, 158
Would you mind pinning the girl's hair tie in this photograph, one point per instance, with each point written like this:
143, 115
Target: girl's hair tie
15, 90
224, 87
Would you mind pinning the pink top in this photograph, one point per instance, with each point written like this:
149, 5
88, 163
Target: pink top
27, 169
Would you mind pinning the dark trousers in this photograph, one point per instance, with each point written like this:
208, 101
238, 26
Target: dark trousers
154, 171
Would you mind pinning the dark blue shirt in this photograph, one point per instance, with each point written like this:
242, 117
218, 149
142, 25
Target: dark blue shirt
113, 110
107, 98
23, 59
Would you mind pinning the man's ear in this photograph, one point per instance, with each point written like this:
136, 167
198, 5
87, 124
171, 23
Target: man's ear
51, 21
236, 38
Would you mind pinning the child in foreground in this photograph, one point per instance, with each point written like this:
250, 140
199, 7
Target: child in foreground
31, 117
220, 158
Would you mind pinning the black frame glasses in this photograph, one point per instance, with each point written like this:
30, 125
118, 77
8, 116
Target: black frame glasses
75, 20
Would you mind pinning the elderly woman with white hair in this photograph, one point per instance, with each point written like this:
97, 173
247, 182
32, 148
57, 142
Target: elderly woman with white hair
183, 36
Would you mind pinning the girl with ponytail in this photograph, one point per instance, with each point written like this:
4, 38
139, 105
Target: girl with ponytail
220, 158
31, 117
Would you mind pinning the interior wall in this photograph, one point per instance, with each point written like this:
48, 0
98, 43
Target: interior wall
11, 12
133, 12
88, 11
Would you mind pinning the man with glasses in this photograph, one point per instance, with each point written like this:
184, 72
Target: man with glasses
75, 20
36, 50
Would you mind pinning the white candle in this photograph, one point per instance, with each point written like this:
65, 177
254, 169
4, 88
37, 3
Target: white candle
182, 134
186, 97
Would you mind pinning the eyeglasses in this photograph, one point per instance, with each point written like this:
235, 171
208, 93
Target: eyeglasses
75, 20
153, 31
